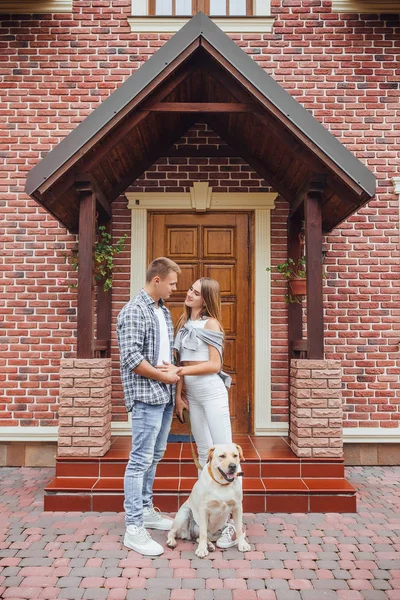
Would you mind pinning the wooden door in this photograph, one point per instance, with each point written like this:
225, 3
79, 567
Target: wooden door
214, 245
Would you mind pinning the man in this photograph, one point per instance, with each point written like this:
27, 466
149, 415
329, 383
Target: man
145, 339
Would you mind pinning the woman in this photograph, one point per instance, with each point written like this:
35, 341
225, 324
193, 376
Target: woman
199, 343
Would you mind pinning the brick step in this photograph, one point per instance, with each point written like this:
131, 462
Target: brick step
260, 494
264, 457
275, 479
186, 468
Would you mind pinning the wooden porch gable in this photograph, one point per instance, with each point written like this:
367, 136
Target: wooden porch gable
200, 71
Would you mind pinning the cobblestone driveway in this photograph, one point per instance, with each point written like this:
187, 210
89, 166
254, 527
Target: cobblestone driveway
293, 557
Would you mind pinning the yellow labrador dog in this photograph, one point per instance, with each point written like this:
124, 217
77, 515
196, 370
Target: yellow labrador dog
215, 495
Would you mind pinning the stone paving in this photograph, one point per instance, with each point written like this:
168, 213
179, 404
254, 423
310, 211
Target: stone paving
293, 557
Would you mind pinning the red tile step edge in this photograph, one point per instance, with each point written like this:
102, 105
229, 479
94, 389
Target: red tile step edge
275, 480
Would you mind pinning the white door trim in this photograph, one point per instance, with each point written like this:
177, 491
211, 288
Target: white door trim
200, 199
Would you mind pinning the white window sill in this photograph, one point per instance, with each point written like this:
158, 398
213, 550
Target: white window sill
227, 24
36, 6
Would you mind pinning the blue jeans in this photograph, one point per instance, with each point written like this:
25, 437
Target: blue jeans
151, 424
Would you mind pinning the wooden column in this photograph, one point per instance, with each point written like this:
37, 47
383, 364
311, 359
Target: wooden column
87, 233
102, 343
295, 329
313, 236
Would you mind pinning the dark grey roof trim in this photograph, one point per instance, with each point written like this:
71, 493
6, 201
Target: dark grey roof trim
107, 110
287, 105
201, 25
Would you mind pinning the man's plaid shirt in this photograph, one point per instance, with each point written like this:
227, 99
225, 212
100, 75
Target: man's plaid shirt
138, 339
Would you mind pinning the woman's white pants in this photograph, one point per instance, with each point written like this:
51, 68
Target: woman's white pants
209, 412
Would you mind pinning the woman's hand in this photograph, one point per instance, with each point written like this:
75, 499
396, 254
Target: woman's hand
170, 372
180, 405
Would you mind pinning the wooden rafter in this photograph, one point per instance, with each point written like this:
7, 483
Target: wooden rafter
200, 107
258, 165
142, 166
302, 139
120, 116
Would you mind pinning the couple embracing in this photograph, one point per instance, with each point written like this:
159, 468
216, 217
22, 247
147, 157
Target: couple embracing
152, 382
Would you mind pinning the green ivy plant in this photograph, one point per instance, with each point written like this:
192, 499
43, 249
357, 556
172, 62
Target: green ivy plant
291, 269
104, 253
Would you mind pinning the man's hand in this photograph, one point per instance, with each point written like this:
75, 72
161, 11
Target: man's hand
170, 377
170, 372
167, 374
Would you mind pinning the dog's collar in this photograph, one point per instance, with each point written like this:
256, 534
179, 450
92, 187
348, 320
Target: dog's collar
216, 480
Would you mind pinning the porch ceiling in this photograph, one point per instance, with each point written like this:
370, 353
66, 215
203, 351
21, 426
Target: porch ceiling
200, 74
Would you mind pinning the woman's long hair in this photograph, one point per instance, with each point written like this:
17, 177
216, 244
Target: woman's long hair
211, 295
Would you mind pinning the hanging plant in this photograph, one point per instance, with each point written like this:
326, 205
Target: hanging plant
294, 271
104, 253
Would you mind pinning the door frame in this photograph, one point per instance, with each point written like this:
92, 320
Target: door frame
201, 198
241, 243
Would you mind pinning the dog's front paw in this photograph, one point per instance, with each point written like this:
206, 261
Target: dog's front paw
171, 541
244, 546
202, 551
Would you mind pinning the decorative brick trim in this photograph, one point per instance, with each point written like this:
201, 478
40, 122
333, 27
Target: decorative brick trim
85, 407
316, 414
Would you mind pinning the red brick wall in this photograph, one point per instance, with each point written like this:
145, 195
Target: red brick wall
56, 69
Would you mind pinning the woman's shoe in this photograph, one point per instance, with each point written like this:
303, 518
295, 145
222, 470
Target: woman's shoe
228, 537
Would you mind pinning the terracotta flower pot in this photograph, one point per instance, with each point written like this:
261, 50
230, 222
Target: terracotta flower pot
297, 286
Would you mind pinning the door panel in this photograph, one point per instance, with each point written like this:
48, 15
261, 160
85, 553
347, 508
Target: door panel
214, 245
182, 244
225, 275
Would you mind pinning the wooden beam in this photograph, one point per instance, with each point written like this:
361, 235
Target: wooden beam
200, 107
159, 150
89, 160
299, 345
102, 346
295, 309
104, 299
317, 184
88, 182
225, 80
164, 76
295, 326
87, 226
305, 143
313, 236
297, 207
103, 205
202, 152
237, 144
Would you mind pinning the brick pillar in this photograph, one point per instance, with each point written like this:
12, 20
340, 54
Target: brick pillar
85, 407
316, 415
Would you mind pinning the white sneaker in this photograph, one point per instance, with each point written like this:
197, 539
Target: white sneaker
228, 537
138, 539
153, 519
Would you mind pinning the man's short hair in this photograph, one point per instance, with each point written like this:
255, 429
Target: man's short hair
161, 266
